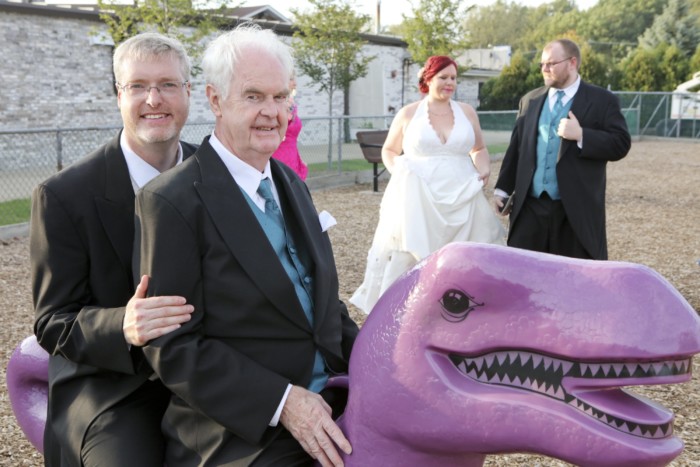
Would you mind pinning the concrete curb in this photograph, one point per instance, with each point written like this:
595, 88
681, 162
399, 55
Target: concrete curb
14, 230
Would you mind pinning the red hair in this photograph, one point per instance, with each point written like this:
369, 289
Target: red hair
432, 67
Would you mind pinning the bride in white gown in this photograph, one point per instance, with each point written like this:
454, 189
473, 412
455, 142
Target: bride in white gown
435, 194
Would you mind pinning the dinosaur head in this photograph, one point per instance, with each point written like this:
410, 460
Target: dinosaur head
486, 349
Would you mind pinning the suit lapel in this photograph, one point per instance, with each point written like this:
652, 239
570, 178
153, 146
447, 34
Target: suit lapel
532, 118
579, 106
116, 208
581, 103
239, 229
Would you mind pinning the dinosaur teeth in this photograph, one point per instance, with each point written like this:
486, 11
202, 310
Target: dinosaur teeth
566, 366
543, 375
536, 360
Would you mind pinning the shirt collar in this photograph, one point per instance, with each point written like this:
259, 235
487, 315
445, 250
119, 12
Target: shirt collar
246, 176
140, 171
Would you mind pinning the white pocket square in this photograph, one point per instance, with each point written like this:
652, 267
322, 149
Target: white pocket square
327, 221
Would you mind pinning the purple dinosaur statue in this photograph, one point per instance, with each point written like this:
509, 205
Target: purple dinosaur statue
483, 349
28, 388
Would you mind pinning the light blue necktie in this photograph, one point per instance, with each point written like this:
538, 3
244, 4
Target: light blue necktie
558, 106
272, 210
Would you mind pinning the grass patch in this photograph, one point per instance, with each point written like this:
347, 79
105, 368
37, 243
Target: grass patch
351, 165
15, 211
497, 148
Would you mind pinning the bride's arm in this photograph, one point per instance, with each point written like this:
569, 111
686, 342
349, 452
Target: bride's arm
479, 153
393, 145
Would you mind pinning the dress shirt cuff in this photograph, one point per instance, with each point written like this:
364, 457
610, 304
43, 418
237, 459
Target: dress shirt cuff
276, 418
500, 193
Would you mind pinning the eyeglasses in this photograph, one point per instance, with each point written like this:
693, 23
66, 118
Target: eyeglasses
168, 88
551, 64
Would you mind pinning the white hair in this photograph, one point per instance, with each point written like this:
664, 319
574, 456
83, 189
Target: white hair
223, 54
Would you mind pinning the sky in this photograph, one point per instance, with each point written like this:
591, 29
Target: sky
391, 10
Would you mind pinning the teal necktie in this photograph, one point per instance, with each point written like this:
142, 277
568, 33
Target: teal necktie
272, 210
558, 105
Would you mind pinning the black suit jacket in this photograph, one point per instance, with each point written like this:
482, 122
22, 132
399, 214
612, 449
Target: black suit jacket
581, 173
229, 366
81, 246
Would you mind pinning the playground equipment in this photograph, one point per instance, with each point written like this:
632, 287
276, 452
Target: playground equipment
685, 111
484, 349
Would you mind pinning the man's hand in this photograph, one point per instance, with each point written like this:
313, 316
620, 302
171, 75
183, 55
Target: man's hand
308, 418
148, 318
570, 128
500, 203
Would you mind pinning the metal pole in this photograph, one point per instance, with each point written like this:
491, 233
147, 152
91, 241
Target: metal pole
59, 150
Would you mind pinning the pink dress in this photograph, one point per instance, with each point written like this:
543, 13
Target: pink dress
288, 151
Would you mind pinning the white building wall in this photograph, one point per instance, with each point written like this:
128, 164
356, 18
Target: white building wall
56, 75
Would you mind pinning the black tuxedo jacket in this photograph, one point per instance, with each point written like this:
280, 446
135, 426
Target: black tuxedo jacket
580, 172
229, 366
81, 246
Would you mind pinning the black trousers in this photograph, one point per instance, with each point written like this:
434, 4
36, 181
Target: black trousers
128, 434
542, 226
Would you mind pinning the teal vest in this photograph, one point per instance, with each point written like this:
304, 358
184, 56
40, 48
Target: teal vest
545, 178
298, 273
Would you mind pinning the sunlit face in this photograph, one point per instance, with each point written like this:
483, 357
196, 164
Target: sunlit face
444, 83
252, 120
153, 117
560, 69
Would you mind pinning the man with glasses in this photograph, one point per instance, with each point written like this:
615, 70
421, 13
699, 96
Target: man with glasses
554, 168
104, 407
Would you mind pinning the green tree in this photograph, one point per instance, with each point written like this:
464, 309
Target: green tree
434, 29
615, 25
548, 22
498, 24
516, 79
641, 71
660, 69
674, 67
694, 63
674, 26
594, 66
328, 49
181, 19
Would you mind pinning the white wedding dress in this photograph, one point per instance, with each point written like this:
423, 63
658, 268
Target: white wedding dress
434, 197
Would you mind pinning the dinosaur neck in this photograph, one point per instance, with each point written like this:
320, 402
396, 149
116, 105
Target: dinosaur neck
388, 450
399, 456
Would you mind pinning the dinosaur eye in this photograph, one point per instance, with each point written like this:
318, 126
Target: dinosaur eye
456, 305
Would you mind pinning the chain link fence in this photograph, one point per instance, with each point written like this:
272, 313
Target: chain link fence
27, 157
327, 144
